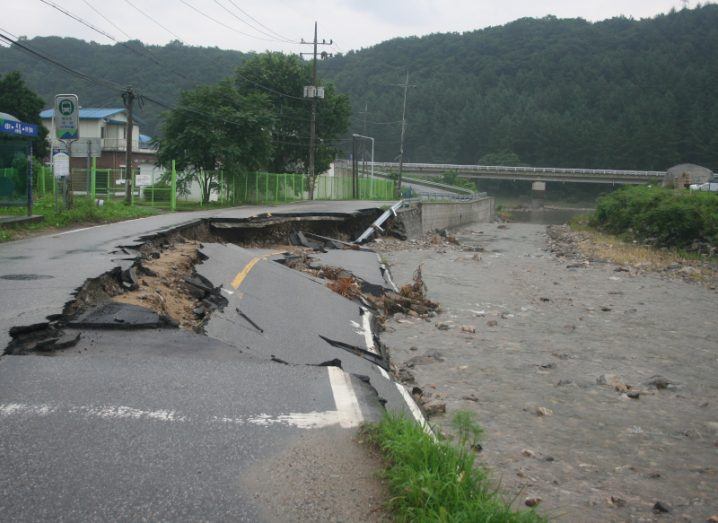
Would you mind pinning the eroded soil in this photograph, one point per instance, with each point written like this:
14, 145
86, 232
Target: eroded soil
596, 387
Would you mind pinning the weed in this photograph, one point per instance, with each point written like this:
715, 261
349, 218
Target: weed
84, 211
436, 480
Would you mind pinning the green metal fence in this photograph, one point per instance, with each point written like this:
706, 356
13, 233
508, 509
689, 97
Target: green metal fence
229, 188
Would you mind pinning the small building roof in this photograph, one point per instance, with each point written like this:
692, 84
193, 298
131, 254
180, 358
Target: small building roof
88, 113
145, 139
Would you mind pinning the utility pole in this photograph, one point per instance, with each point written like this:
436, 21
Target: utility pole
128, 97
406, 86
313, 92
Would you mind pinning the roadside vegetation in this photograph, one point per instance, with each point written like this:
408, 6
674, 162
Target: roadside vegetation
83, 212
660, 217
438, 480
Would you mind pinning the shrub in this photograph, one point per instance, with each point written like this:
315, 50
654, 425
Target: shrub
660, 216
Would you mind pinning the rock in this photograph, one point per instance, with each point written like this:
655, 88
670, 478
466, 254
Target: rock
470, 397
442, 326
528, 453
532, 502
712, 519
429, 357
468, 329
545, 300
405, 375
568, 328
561, 383
549, 459
547, 366
661, 508
543, 411
660, 382
616, 501
613, 381
633, 394
434, 407
606, 309
413, 348
492, 323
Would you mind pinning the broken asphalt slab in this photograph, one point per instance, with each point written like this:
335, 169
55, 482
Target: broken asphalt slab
296, 313
53, 267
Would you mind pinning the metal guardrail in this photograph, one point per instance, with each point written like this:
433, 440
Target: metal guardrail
502, 169
431, 197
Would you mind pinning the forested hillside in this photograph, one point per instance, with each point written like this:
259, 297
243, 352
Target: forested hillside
614, 94
182, 67
619, 93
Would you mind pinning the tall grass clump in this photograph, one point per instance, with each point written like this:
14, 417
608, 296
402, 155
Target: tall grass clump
660, 216
438, 480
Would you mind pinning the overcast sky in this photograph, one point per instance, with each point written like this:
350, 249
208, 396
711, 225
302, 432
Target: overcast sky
352, 24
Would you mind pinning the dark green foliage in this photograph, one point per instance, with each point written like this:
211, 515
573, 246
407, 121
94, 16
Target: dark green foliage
438, 480
289, 74
216, 127
622, 93
661, 216
198, 65
22, 103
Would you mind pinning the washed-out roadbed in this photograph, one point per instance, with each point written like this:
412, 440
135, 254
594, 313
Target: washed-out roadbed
596, 387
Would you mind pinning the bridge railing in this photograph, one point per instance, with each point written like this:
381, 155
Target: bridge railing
434, 167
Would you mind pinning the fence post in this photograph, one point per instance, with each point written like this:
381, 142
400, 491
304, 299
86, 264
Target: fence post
93, 179
173, 188
41, 185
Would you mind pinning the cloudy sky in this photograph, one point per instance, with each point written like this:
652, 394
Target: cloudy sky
279, 24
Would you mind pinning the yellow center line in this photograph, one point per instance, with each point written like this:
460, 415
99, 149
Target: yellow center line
241, 275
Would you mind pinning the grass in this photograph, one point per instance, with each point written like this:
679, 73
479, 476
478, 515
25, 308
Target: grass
596, 244
83, 212
438, 480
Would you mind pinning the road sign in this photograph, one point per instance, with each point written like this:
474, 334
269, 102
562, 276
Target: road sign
17, 128
60, 165
66, 117
82, 147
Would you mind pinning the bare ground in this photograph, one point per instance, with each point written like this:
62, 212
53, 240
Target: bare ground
561, 373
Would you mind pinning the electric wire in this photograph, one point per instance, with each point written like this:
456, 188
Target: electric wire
219, 22
143, 53
290, 40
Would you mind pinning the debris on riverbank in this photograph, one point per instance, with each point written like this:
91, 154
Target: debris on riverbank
587, 247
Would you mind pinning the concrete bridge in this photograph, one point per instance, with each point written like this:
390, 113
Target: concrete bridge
533, 174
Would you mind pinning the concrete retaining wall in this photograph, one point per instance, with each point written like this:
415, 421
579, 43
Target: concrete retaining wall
429, 216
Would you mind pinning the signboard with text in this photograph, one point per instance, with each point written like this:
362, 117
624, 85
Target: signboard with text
66, 117
60, 165
17, 128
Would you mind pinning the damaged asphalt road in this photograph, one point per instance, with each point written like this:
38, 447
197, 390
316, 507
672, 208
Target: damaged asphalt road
126, 416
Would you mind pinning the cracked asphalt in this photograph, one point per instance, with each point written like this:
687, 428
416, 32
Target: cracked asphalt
167, 424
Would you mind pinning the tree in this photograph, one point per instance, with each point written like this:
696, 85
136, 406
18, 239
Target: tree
285, 77
215, 127
507, 158
18, 100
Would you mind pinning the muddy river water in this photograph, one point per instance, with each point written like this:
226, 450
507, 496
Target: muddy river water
597, 390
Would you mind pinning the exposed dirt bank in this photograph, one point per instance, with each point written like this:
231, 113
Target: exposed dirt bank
596, 386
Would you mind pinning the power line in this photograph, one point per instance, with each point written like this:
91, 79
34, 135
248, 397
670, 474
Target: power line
275, 37
219, 22
153, 20
290, 40
107, 35
60, 65
107, 19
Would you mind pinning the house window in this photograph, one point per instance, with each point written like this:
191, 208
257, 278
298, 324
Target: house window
102, 132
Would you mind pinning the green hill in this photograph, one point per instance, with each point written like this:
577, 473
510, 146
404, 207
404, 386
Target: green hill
620, 93
182, 67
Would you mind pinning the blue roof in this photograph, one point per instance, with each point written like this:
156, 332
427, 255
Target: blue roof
145, 139
88, 113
